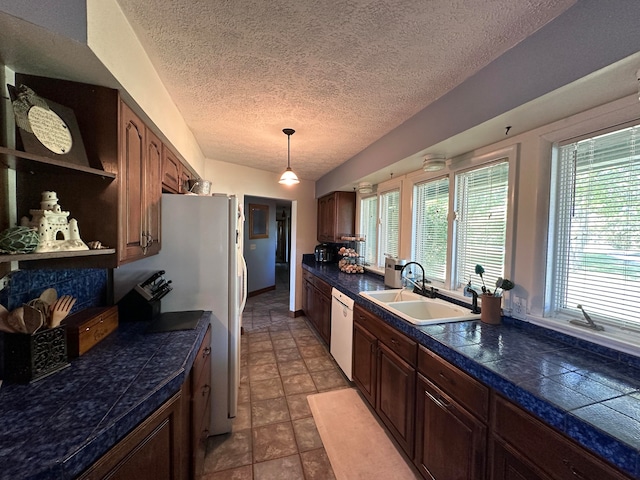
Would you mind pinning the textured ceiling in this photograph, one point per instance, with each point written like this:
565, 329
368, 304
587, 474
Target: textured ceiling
341, 73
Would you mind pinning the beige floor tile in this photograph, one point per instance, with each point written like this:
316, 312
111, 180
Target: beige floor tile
240, 473
287, 468
302, 383
328, 380
284, 343
260, 346
316, 364
258, 337
308, 341
298, 406
243, 418
229, 451
287, 355
244, 393
273, 441
260, 358
265, 389
311, 351
294, 367
263, 372
307, 435
283, 334
273, 410
316, 465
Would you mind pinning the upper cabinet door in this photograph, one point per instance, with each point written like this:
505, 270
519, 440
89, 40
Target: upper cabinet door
336, 216
171, 172
132, 152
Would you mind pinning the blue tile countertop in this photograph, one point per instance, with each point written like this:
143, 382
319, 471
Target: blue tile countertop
590, 393
58, 426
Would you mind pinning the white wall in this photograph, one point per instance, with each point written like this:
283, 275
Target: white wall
127, 61
240, 181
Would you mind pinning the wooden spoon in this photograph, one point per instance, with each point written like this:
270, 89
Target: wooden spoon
4, 321
61, 309
33, 319
16, 320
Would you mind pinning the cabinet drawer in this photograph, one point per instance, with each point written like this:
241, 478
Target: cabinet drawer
397, 342
467, 391
554, 453
203, 358
323, 287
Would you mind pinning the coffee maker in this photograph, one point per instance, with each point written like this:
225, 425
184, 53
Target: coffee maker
323, 253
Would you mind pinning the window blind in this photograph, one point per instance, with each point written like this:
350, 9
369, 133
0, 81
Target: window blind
481, 222
369, 228
389, 224
597, 228
429, 226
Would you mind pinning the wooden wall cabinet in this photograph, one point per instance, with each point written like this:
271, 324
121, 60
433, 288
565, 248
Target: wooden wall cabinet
171, 172
384, 362
140, 163
336, 216
316, 304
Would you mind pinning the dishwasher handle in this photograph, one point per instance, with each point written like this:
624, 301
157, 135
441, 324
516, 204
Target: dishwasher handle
342, 298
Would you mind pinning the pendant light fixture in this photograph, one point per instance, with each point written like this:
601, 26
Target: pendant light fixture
288, 177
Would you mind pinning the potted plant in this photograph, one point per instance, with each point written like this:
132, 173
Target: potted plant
491, 301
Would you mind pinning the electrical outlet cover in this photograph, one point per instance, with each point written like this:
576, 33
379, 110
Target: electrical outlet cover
519, 308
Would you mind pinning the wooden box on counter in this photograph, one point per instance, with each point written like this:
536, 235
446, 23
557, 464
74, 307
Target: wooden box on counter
88, 327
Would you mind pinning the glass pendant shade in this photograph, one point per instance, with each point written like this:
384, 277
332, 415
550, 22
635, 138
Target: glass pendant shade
288, 177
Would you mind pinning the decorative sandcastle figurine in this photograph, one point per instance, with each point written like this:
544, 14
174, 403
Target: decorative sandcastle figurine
51, 222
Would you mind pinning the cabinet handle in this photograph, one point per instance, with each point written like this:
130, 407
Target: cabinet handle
205, 389
574, 471
206, 352
441, 402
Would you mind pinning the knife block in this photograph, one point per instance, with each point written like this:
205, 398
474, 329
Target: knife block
134, 306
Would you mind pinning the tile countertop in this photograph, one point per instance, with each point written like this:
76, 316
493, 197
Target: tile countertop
590, 393
58, 426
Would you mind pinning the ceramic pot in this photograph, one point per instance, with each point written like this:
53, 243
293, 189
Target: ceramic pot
490, 310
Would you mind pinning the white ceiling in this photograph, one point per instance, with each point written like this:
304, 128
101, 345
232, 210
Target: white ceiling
342, 74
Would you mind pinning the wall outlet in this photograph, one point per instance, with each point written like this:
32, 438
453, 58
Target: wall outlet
4, 282
519, 308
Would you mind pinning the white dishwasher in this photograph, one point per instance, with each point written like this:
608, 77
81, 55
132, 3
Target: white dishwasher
342, 330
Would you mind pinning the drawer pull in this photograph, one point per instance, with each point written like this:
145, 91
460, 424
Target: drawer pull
441, 402
445, 378
574, 471
205, 390
206, 352
394, 341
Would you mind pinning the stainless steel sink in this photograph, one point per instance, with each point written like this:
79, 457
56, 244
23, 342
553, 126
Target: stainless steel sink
417, 309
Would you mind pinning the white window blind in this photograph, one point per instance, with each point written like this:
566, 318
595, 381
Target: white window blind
430, 210
596, 259
481, 223
389, 224
369, 228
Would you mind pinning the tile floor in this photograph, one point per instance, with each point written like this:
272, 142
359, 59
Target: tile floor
274, 435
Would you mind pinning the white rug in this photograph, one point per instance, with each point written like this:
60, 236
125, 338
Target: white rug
356, 444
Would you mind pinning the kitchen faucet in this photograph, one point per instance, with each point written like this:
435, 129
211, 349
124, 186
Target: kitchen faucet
474, 302
422, 290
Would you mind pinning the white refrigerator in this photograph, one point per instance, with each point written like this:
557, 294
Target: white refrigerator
201, 255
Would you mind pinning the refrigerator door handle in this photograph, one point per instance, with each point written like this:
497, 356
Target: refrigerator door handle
243, 270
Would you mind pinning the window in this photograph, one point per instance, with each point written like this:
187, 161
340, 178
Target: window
389, 225
429, 226
380, 223
369, 228
481, 205
594, 260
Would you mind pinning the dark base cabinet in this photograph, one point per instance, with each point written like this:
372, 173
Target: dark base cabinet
171, 443
384, 371
525, 448
450, 443
151, 451
316, 304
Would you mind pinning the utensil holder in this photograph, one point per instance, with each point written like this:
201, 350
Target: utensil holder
490, 311
31, 357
